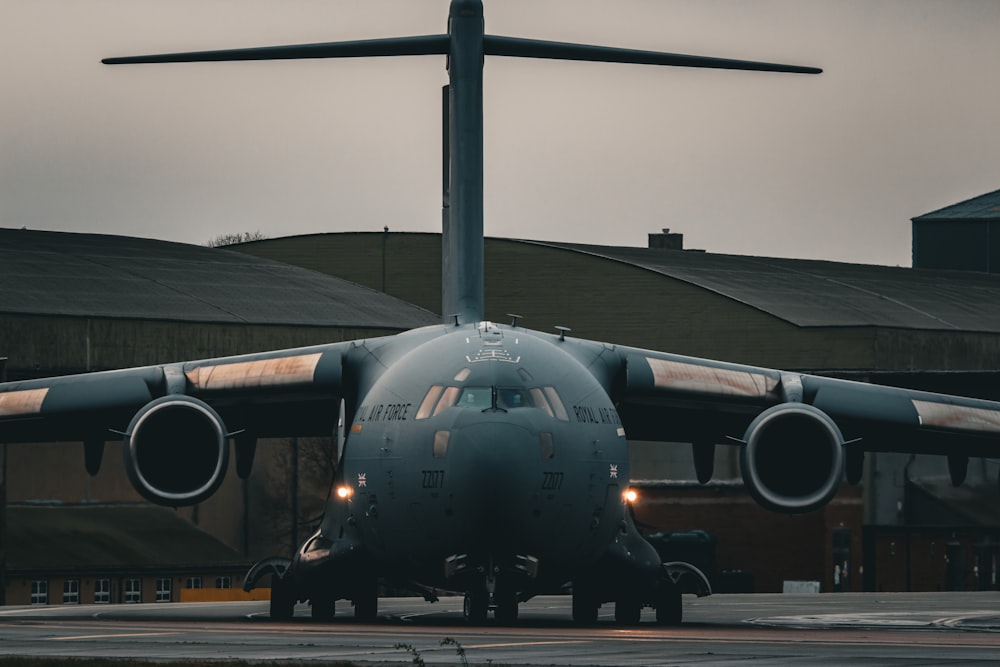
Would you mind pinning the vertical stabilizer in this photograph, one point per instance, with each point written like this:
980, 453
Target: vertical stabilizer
462, 236
466, 46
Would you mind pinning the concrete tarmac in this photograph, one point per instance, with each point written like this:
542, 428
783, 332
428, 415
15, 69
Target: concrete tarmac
769, 629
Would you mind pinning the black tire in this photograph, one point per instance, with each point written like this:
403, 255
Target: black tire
475, 606
324, 607
366, 604
669, 607
282, 599
585, 607
506, 611
628, 611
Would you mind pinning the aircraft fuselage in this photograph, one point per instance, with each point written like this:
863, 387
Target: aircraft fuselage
484, 449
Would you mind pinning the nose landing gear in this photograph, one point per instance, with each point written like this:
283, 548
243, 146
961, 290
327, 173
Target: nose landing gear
478, 603
495, 592
475, 606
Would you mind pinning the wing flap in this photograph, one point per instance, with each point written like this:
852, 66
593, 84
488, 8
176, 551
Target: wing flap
958, 417
670, 376
281, 371
23, 402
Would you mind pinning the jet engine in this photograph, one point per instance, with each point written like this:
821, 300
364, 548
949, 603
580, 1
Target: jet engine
793, 458
176, 451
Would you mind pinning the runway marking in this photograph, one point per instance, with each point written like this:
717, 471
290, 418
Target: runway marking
513, 644
114, 636
896, 619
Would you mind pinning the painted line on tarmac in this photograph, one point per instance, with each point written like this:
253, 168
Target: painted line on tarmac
113, 636
965, 620
516, 644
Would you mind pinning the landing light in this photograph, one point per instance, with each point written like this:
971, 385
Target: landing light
630, 496
344, 492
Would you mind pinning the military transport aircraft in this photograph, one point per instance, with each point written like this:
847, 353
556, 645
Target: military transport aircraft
476, 457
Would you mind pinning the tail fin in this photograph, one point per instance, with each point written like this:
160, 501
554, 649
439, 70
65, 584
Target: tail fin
466, 46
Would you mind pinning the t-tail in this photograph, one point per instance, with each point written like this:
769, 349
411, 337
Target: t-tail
465, 46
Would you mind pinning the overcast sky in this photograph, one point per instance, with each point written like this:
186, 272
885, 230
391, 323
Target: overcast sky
904, 120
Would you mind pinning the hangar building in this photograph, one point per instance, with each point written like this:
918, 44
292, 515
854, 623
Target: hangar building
963, 236
71, 303
79, 302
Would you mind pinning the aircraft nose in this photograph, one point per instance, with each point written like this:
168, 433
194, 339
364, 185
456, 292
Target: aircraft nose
497, 465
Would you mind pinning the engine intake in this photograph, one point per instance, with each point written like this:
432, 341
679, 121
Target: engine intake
793, 459
176, 451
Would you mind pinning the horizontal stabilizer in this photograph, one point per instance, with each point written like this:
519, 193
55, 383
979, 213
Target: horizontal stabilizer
494, 45
395, 46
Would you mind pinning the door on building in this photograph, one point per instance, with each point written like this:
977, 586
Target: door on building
841, 559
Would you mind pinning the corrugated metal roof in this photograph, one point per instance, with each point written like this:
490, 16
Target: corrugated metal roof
813, 293
983, 207
101, 537
93, 275
976, 502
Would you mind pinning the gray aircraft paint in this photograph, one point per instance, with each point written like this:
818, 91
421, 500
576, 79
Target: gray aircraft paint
500, 500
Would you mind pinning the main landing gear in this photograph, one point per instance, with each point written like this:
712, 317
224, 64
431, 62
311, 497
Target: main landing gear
364, 595
282, 598
665, 598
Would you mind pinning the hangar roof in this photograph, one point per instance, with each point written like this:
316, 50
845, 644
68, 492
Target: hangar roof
983, 207
103, 537
818, 293
57, 273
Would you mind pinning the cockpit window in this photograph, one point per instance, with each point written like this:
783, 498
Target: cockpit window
439, 398
448, 399
557, 405
509, 398
430, 400
476, 397
538, 397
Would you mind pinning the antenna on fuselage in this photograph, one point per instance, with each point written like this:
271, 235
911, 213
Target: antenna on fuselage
466, 46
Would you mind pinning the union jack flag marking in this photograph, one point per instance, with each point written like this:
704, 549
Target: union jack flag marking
362, 479
613, 471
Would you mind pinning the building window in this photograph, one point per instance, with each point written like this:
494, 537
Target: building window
39, 591
164, 586
133, 590
102, 591
223, 582
71, 591
192, 582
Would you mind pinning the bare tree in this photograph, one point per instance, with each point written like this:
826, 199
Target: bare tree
223, 240
293, 490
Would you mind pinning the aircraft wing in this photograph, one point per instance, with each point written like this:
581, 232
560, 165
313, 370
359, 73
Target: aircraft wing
798, 433
720, 397
176, 420
271, 394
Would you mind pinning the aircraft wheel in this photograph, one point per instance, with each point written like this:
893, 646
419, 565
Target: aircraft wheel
324, 607
366, 605
475, 606
585, 608
669, 608
282, 599
506, 611
628, 611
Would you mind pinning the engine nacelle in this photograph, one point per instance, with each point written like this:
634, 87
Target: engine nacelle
176, 451
793, 459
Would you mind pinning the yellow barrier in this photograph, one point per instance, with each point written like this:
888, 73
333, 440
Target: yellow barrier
223, 594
